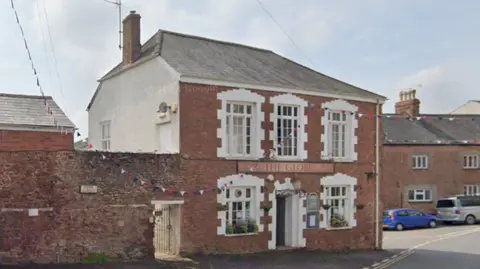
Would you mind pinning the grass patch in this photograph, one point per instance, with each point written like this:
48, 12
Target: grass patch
97, 258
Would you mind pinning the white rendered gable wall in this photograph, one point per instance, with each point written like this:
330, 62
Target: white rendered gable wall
130, 101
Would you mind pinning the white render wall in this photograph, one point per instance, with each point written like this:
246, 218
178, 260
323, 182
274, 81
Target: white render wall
130, 101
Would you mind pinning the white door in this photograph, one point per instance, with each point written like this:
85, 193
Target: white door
165, 137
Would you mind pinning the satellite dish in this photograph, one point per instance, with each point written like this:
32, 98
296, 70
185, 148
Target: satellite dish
163, 107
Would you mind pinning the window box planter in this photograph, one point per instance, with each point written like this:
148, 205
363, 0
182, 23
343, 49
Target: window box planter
221, 207
360, 206
242, 228
266, 208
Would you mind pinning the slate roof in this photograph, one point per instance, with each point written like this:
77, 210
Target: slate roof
213, 59
29, 110
439, 127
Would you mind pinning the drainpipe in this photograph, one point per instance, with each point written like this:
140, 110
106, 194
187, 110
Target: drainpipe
377, 175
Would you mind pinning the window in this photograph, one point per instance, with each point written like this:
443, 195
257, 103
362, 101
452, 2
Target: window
240, 204
420, 195
338, 129
419, 161
239, 129
339, 137
105, 127
289, 120
471, 189
470, 161
313, 211
337, 197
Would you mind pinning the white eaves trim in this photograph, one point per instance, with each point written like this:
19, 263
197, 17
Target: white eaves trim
190, 79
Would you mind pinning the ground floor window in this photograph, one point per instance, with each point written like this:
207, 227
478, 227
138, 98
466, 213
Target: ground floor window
240, 212
338, 196
420, 195
471, 189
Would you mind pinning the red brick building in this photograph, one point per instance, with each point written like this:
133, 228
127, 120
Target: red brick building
25, 124
280, 141
428, 156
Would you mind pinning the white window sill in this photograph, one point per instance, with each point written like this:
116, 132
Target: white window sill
288, 158
338, 228
419, 168
420, 201
470, 168
343, 160
243, 158
245, 234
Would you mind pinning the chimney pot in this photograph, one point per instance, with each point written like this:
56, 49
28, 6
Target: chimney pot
132, 12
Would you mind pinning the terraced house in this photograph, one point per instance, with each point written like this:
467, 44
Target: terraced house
294, 163
428, 156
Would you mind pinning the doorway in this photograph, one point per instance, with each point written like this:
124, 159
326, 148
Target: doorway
280, 229
167, 228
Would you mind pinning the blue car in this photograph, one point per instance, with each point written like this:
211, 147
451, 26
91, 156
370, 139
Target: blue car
406, 218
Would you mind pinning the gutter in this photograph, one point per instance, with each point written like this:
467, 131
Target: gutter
377, 176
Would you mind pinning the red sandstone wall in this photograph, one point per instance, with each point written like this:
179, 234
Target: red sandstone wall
105, 222
32, 140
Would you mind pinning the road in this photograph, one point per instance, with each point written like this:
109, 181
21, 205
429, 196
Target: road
440, 248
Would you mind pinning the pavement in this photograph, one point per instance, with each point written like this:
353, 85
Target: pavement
268, 260
440, 248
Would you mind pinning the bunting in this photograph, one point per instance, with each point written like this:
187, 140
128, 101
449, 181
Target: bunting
440, 142
143, 182
48, 108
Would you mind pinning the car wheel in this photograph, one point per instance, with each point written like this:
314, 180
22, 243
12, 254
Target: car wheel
399, 227
432, 224
470, 220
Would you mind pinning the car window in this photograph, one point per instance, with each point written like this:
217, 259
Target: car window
415, 213
446, 203
402, 213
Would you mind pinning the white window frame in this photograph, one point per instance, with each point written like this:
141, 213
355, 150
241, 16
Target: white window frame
470, 162
348, 212
351, 124
240, 181
419, 161
105, 139
422, 192
290, 100
471, 189
241, 96
231, 199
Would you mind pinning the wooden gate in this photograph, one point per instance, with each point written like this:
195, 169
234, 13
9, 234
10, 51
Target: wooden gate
164, 230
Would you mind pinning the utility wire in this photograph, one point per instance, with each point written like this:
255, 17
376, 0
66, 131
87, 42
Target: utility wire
53, 51
44, 43
284, 32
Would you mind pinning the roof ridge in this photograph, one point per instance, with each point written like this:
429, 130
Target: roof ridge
26, 96
214, 40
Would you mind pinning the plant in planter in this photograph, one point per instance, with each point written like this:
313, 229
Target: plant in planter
338, 221
252, 227
326, 207
360, 206
229, 229
221, 207
266, 208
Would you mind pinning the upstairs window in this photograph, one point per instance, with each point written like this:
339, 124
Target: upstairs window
470, 162
420, 161
339, 138
105, 136
288, 119
239, 129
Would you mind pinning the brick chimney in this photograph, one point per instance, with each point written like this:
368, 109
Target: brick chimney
131, 38
409, 104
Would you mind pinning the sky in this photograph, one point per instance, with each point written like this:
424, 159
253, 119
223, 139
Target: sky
384, 46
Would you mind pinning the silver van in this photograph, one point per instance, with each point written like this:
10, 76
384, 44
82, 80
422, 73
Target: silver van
460, 208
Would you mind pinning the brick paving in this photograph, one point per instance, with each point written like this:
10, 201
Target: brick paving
281, 260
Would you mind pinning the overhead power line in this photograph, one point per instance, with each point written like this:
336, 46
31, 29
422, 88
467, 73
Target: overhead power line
285, 32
